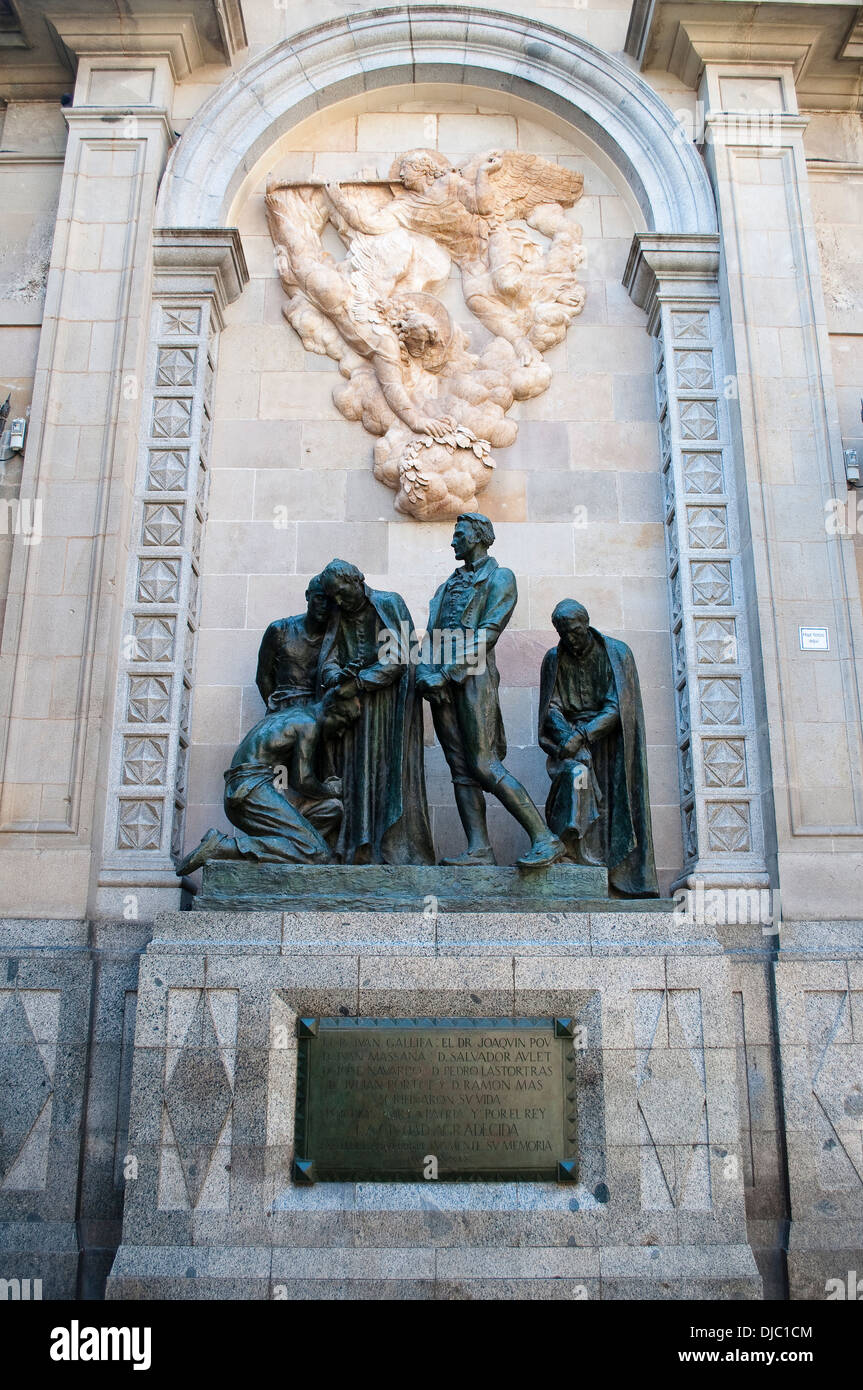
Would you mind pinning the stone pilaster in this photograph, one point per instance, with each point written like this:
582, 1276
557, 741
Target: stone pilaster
61, 616
195, 275
786, 433
674, 279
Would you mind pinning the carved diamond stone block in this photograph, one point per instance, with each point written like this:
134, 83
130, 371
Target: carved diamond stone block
178, 829
728, 826
149, 699
189, 655
690, 833
667, 488
720, 700
159, 581
683, 720
679, 652
676, 598
665, 436
153, 638
206, 429
661, 388
702, 472
711, 581
202, 487
140, 825
707, 528
144, 761
194, 585
176, 366
167, 470
185, 711
724, 762
172, 417
182, 775
715, 640
687, 780
162, 524
694, 369
698, 420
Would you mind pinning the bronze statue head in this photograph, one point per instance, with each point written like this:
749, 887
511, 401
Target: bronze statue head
472, 531
317, 602
345, 585
572, 621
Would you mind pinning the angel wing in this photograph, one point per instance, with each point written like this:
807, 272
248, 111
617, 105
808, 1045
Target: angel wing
524, 182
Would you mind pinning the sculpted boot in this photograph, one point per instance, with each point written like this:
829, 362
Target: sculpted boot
546, 850
471, 808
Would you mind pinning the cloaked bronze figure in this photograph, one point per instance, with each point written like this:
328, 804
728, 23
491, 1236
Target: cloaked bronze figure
467, 615
366, 653
591, 725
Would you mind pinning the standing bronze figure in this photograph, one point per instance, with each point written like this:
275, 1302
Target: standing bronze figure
467, 615
366, 652
591, 725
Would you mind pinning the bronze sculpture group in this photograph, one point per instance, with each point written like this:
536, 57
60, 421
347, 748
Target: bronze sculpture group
333, 772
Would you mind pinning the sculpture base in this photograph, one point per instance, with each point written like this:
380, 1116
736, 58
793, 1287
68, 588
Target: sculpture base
656, 1211
248, 887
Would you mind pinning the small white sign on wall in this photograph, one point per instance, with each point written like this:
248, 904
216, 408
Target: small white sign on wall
814, 639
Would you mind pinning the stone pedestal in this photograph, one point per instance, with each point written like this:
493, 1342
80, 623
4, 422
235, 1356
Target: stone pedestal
249, 887
658, 1211
819, 1001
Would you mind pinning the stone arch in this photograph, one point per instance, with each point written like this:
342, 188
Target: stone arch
594, 92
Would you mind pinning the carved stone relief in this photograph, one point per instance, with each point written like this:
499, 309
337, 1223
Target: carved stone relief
437, 408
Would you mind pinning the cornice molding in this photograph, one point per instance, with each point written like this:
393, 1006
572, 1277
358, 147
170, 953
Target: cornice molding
195, 260
821, 43
174, 37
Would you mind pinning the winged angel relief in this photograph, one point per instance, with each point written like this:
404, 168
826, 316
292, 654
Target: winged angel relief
437, 409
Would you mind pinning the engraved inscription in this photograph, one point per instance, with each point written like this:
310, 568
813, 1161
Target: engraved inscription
486, 1099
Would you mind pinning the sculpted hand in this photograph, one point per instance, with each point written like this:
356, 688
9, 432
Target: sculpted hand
526, 353
574, 745
438, 429
431, 684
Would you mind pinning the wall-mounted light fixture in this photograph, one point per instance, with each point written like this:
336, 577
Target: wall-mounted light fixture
13, 434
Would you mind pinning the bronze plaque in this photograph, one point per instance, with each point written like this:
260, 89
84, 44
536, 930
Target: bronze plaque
402, 1100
